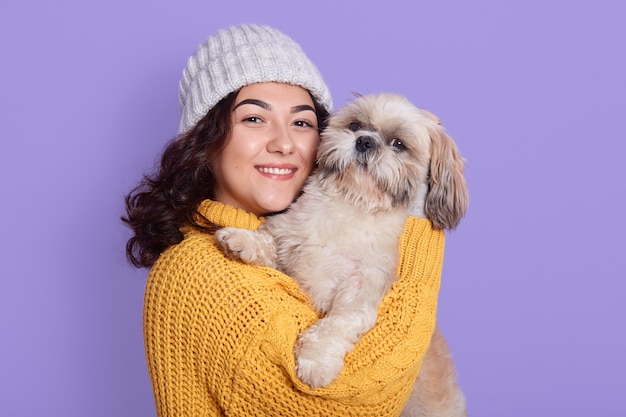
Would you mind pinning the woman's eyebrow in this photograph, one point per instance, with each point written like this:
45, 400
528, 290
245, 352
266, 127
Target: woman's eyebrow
302, 107
255, 102
267, 106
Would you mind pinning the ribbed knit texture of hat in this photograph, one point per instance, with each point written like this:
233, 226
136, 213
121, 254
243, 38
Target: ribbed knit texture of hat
239, 56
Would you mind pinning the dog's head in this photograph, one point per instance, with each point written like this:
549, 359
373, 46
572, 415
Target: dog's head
380, 152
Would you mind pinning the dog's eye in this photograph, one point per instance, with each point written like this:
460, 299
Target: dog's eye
354, 126
398, 144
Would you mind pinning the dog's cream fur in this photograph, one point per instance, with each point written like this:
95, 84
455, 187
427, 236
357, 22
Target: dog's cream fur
379, 160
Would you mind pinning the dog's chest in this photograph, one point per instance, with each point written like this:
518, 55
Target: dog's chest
335, 228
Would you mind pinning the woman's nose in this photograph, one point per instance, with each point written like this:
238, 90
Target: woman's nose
281, 141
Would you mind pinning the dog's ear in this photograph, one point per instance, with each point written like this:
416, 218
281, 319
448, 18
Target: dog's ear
447, 199
431, 116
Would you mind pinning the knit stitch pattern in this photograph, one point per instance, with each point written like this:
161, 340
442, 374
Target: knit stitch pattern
220, 335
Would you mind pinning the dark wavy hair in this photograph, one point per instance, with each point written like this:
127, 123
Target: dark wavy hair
162, 203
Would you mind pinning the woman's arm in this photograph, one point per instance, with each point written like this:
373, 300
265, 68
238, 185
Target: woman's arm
220, 335
392, 352
380, 371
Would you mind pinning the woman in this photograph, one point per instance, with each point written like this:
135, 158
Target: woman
219, 334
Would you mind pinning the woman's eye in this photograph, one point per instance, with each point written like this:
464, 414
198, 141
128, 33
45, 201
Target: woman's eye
398, 144
354, 126
303, 123
252, 119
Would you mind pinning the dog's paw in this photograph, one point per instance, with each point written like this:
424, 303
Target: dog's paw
245, 245
318, 361
232, 242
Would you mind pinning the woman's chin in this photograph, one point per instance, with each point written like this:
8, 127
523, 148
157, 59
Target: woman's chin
274, 204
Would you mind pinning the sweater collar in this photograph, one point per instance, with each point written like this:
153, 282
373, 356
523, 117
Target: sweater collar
224, 215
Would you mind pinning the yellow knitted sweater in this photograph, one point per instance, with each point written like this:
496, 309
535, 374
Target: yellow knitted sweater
219, 335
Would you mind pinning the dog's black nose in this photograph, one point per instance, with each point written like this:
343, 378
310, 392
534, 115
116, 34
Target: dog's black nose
365, 143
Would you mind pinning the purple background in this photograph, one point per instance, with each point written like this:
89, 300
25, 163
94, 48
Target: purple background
533, 92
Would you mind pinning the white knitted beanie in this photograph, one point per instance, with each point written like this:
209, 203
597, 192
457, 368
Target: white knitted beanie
239, 56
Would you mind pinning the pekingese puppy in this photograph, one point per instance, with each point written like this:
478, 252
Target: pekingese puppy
379, 160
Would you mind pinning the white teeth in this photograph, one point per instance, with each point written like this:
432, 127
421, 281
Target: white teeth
276, 171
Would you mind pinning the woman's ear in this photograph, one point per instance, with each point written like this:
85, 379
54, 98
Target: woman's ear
447, 199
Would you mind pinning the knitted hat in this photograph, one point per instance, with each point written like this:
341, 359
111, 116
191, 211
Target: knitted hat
239, 56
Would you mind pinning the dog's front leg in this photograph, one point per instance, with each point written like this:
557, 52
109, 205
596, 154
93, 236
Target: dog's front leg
252, 247
321, 348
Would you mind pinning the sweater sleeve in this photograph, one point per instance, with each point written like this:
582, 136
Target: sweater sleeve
219, 335
386, 361
379, 373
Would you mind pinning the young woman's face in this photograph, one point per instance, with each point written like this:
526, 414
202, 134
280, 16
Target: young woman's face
271, 149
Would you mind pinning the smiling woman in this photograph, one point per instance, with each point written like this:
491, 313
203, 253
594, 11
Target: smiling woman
270, 150
220, 334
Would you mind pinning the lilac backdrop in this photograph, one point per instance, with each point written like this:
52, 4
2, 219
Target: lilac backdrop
533, 92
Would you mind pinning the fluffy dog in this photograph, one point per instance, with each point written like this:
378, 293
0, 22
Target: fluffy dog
379, 160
